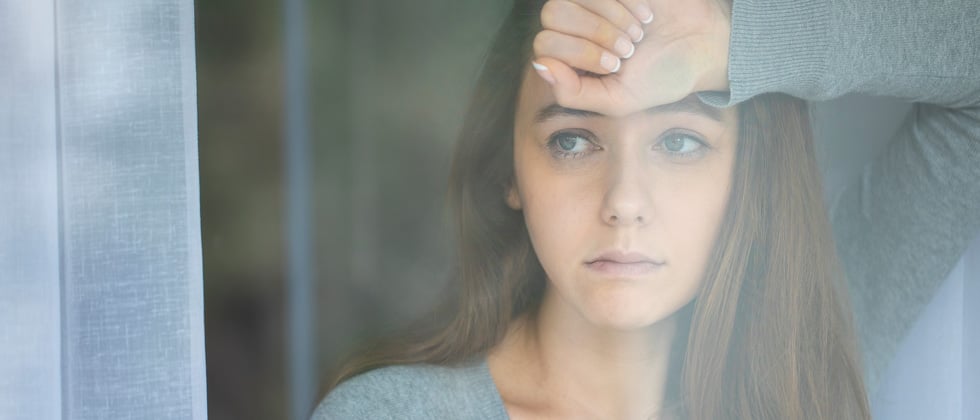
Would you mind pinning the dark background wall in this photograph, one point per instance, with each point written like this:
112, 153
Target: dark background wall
389, 83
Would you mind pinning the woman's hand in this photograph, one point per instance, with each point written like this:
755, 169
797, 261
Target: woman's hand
618, 57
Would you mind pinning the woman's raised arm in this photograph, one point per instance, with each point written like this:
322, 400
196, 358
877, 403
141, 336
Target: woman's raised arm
900, 227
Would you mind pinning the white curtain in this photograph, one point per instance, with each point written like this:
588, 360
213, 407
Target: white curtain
100, 256
936, 372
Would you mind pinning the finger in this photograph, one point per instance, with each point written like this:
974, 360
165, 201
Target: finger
596, 94
615, 12
575, 52
640, 9
586, 92
571, 19
576, 91
564, 79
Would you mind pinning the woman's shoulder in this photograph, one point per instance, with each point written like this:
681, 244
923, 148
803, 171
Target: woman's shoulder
415, 391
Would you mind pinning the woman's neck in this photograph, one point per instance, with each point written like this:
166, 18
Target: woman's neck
570, 365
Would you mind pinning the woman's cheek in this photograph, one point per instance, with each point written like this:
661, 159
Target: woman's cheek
695, 216
558, 223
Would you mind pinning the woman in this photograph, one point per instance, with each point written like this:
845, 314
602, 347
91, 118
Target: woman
670, 263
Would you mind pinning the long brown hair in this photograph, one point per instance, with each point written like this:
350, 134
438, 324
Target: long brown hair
770, 332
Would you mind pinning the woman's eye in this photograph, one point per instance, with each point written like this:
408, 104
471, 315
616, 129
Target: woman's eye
567, 145
681, 144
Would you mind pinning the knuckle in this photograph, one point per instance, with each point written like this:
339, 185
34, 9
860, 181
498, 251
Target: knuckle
589, 52
564, 98
586, 56
597, 30
603, 33
624, 18
551, 13
542, 41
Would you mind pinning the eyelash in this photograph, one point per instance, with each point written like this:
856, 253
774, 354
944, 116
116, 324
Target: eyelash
558, 153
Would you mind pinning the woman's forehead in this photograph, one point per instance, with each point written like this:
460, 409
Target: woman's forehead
537, 104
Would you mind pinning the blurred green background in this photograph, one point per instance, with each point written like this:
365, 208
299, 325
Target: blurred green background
389, 84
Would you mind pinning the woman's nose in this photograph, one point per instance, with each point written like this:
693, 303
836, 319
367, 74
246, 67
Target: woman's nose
627, 199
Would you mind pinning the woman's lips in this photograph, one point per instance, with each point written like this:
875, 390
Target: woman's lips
624, 269
623, 263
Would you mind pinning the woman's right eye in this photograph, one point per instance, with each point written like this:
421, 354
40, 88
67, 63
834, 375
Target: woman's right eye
570, 145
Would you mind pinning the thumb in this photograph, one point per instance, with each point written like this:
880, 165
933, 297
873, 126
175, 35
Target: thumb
574, 90
564, 80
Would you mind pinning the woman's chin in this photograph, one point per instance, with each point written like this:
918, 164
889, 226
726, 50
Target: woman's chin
625, 317
628, 311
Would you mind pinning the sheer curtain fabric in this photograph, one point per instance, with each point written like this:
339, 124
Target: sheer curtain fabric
100, 255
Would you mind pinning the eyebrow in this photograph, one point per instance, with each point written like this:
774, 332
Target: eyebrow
690, 105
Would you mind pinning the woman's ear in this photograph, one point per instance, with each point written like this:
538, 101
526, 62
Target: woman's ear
513, 198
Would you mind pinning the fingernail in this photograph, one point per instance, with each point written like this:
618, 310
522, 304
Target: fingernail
543, 72
635, 32
609, 62
624, 48
645, 12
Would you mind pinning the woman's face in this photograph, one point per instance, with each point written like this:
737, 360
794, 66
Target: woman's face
622, 212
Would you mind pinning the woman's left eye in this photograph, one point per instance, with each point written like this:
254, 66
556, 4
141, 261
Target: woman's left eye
681, 144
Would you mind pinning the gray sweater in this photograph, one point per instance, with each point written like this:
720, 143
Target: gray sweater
900, 228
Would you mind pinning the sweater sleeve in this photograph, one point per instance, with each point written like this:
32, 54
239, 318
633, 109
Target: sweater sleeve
900, 227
